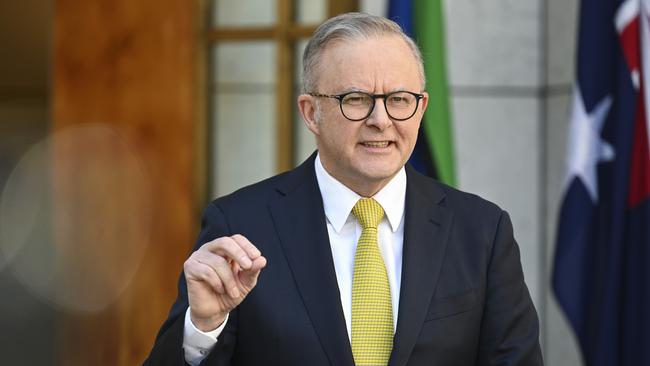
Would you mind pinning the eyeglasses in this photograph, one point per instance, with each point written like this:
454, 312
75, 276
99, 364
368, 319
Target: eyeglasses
357, 106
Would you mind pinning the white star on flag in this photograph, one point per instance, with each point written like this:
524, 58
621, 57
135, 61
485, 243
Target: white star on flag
586, 147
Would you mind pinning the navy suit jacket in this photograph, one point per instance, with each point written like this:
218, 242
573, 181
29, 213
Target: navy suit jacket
463, 300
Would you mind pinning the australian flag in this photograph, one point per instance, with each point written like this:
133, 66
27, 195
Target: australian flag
601, 275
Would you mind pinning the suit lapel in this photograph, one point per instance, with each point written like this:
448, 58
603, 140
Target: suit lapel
425, 239
300, 221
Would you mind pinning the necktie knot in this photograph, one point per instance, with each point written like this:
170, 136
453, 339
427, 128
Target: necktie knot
369, 212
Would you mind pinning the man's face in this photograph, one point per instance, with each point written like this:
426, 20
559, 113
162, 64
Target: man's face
364, 155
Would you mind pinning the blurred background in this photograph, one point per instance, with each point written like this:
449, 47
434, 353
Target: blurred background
121, 119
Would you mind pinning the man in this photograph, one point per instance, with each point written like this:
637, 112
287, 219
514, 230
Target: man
353, 258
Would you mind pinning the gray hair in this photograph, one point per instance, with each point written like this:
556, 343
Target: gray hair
350, 26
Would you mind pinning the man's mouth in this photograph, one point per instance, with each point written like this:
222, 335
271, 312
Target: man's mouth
376, 144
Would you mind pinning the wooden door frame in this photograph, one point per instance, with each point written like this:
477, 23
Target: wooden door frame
285, 33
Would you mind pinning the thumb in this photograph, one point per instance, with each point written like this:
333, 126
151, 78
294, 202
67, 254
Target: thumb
249, 276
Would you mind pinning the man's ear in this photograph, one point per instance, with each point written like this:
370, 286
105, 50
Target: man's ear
424, 101
307, 107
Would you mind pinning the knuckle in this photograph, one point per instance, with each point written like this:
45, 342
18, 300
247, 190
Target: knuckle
218, 242
225, 243
189, 263
241, 241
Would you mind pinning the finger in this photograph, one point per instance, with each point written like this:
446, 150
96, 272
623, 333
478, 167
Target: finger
229, 248
249, 277
212, 278
196, 270
245, 244
259, 264
224, 270
227, 276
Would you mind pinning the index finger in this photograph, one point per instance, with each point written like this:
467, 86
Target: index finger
228, 248
244, 243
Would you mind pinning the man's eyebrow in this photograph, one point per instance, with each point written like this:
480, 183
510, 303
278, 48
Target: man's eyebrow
355, 89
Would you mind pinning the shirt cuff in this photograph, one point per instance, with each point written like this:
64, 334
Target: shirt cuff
196, 343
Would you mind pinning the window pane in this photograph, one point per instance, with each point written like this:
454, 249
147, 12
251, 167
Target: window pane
376, 7
311, 11
243, 13
243, 141
244, 62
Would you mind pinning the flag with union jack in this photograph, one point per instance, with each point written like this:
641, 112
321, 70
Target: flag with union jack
601, 274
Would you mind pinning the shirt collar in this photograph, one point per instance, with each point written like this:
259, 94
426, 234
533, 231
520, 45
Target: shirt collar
338, 200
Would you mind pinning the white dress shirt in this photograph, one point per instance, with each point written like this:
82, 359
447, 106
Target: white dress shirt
344, 231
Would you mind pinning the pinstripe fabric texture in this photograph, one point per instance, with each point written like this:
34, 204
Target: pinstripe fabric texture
372, 313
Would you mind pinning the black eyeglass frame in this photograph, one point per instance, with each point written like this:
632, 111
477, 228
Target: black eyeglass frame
374, 97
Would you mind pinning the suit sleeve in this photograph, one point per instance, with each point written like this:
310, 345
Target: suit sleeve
510, 327
168, 347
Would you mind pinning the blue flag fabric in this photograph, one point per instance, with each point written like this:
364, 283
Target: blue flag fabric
422, 158
401, 12
601, 274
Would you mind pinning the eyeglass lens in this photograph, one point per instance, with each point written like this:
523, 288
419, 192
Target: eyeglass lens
399, 105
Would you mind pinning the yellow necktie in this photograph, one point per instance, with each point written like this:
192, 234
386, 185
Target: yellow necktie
372, 309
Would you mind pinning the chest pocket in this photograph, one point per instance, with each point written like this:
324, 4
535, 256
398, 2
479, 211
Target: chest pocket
452, 305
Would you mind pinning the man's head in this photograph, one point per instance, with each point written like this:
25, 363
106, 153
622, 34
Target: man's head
368, 54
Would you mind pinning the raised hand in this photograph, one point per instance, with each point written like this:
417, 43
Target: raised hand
219, 275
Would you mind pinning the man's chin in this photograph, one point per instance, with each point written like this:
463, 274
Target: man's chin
379, 175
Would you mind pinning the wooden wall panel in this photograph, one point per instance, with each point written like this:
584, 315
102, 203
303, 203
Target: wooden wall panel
132, 66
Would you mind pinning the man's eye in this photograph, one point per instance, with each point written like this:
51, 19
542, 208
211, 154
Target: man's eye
356, 100
399, 100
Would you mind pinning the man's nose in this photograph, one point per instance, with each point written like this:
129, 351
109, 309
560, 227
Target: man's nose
379, 118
